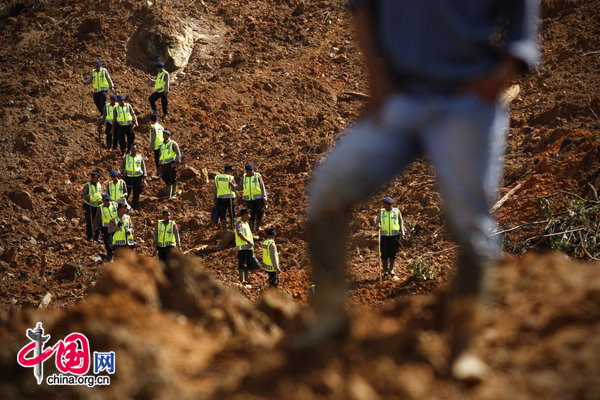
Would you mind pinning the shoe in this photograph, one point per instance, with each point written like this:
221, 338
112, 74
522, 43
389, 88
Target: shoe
470, 369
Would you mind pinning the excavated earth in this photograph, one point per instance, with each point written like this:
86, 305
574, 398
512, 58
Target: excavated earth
274, 83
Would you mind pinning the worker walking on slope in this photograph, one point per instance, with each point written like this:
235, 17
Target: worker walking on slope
124, 120
106, 212
134, 169
244, 242
224, 196
156, 139
107, 118
92, 198
271, 257
436, 71
122, 230
166, 236
101, 82
170, 158
255, 195
117, 188
391, 229
161, 89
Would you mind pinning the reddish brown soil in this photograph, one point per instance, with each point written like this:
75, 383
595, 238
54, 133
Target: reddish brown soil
273, 89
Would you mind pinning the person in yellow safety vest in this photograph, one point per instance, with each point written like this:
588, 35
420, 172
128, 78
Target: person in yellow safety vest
156, 139
117, 188
134, 169
124, 120
102, 82
107, 118
224, 196
106, 212
244, 242
92, 198
161, 89
166, 236
255, 195
170, 158
122, 230
271, 257
391, 227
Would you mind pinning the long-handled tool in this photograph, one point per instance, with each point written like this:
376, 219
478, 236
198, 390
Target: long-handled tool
82, 85
231, 210
379, 253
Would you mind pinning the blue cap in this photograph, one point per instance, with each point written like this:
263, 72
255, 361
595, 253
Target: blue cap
244, 211
228, 167
159, 64
97, 63
249, 167
120, 97
113, 96
114, 172
166, 132
105, 197
271, 230
388, 200
95, 173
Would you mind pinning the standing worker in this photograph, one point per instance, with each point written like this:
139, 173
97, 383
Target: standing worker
108, 117
106, 212
255, 195
122, 230
436, 70
156, 139
161, 89
134, 169
166, 236
102, 82
124, 120
244, 242
92, 198
271, 257
117, 188
391, 226
170, 158
224, 196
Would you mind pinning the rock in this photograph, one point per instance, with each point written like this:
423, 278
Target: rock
67, 182
323, 146
299, 10
71, 212
68, 272
95, 258
204, 175
25, 218
21, 144
22, 199
187, 173
45, 301
65, 197
9, 255
41, 189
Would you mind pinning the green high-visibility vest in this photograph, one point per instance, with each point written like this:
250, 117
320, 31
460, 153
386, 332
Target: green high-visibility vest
223, 189
269, 267
116, 191
109, 112
252, 189
167, 154
108, 213
100, 81
161, 81
95, 194
158, 140
389, 222
124, 116
166, 234
239, 242
133, 165
121, 237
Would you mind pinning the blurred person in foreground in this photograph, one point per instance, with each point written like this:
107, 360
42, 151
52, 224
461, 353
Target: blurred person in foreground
436, 70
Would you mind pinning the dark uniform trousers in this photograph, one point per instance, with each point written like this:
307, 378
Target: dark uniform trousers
273, 278
125, 132
157, 161
247, 260
110, 139
169, 173
135, 186
164, 253
107, 239
100, 101
224, 207
389, 248
90, 214
164, 100
257, 208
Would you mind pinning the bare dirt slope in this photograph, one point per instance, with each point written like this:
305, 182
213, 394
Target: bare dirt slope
273, 83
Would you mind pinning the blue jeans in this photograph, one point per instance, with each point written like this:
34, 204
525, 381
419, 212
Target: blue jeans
464, 138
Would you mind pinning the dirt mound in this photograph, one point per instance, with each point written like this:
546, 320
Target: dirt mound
208, 341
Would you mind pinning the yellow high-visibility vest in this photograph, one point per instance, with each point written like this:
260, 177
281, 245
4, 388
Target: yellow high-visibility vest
108, 213
166, 234
224, 191
100, 81
158, 140
116, 191
133, 165
389, 222
269, 267
109, 112
167, 154
121, 237
95, 194
252, 188
239, 242
161, 81
124, 116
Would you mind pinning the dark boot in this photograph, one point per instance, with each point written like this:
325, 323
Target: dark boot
384, 266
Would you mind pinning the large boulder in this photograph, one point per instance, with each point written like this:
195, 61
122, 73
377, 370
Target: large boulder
21, 198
